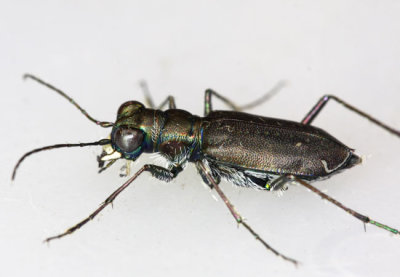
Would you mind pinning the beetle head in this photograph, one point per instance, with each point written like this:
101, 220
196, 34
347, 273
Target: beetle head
129, 134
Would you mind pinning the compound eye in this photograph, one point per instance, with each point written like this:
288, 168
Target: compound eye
128, 139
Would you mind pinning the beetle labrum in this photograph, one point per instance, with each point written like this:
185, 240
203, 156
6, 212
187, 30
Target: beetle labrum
245, 149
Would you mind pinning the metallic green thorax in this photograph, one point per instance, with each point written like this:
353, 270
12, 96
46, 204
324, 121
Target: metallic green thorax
173, 133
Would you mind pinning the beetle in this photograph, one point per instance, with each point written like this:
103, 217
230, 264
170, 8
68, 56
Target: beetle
245, 149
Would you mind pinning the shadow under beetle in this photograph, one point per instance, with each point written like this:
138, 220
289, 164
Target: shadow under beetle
245, 149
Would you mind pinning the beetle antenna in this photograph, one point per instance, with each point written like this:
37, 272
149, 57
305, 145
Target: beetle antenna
100, 142
104, 124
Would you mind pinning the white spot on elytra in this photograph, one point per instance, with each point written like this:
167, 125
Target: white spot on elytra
325, 164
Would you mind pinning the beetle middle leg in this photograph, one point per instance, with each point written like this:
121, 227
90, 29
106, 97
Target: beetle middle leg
156, 171
239, 219
209, 93
313, 113
208, 105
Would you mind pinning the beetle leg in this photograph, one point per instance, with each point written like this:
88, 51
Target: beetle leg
108, 201
157, 171
233, 106
363, 218
235, 214
204, 170
170, 100
308, 119
162, 173
147, 96
208, 104
278, 184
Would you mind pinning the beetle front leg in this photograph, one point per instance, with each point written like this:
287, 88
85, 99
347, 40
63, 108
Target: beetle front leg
157, 171
163, 173
170, 100
309, 118
106, 202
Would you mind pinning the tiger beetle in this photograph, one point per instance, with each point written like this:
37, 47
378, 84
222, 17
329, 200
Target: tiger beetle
244, 149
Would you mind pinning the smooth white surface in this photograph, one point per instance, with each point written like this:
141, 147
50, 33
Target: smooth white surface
97, 51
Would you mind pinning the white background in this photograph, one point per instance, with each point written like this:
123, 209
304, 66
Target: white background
97, 51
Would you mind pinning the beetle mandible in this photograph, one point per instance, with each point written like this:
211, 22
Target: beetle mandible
245, 149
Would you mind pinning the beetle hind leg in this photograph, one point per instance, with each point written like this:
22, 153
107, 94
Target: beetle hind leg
313, 113
363, 218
